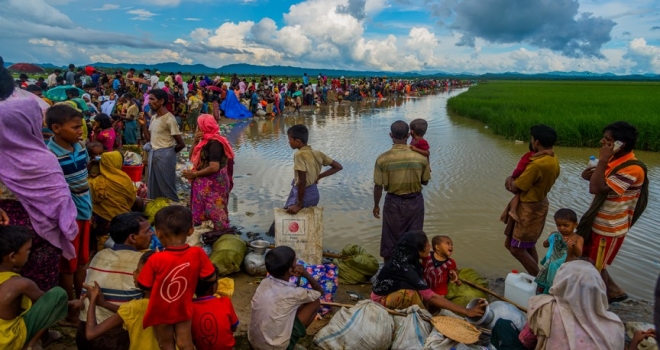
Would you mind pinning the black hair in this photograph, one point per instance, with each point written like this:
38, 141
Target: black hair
203, 288
145, 257
33, 88
23, 76
279, 260
174, 220
299, 132
71, 66
57, 71
61, 114
126, 224
73, 92
399, 130
566, 214
419, 126
419, 238
59, 79
624, 132
7, 85
128, 95
104, 121
12, 239
436, 240
544, 134
159, 94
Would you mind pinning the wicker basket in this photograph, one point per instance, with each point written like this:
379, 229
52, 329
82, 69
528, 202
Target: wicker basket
456, 329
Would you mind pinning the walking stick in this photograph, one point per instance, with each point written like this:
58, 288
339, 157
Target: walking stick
600, 258
488, 291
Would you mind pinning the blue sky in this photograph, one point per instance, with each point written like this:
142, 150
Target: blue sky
476, 36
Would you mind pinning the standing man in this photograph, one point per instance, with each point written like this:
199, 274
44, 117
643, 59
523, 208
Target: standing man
533, 186
165, 142
70, 76
155, 79
401, 172
52, 79
620, 188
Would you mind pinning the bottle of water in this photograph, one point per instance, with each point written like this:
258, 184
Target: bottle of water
592, 162
233, 199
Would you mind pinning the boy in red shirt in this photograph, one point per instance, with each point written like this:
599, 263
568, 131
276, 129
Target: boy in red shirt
214, 320
439, 268
417, 131
172, 275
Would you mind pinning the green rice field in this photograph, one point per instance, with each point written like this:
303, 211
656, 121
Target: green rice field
577, 110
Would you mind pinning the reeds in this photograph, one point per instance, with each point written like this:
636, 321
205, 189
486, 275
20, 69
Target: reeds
577, 110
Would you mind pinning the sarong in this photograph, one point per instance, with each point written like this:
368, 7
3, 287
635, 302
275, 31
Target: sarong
162, 174
209, 199
46, 311
130, 132
401, 214
310, 199
402, 299
525, 232
43, 262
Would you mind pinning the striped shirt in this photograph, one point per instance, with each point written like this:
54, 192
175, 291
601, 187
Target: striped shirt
614, 217
74, 167
113, 270
401, 170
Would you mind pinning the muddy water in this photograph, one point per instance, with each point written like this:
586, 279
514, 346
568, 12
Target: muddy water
463, 200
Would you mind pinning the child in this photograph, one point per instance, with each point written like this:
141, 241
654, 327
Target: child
94, 149
214, 320
512, 208
130, 314
297, 102
173, 275
439, 267
66, 123
418, 144
25, 310
281, 311
194, 106
307, 165
564, 246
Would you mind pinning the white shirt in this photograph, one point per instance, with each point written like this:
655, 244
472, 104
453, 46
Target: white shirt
52, 80
274, 307
154, 81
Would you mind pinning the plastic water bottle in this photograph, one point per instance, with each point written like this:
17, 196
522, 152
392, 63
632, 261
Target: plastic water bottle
234, 202
592, 162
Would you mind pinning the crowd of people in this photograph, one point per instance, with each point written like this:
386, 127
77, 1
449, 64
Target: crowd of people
64, 197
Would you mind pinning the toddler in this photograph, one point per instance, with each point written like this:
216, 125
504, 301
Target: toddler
439, 267
418, 143
563, 246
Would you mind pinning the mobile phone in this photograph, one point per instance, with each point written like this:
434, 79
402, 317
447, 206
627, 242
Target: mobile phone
617, 145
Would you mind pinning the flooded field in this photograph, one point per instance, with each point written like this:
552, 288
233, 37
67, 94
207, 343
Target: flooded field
464, 198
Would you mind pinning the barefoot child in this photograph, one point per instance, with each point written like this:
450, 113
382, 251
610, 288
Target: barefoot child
214, 320
25, 310
130, 314
418, 143
281, 311
512, 208
172, 276
564, 246
439, 267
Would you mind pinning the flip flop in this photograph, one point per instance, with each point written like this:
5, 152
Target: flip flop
618, 299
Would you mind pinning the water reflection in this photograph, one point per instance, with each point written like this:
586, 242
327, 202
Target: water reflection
464, 198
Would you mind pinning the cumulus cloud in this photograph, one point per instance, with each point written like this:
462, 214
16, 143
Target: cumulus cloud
554, 25
354, 8
141, 14
106, 7
149, 58
646, 58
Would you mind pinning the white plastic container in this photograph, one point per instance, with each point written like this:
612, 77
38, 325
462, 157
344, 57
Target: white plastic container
519, 287
592, 162
303, 232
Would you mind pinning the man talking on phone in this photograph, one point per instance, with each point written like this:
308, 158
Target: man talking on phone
620, 188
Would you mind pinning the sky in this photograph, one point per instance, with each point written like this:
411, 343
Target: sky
456, 36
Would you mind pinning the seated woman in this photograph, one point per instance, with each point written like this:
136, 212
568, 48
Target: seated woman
113, 193
400, 283
573, 316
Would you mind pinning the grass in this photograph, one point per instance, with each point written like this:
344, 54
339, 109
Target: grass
577, 110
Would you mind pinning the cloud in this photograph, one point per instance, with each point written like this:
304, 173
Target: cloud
106, 7
148, 58
192, 19
141, 14
626, 33
654, 28
554, 25
354, 8
171, 3
42, 41
36, 11
646, 58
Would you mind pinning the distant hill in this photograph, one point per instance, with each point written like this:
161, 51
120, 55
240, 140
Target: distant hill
243, 69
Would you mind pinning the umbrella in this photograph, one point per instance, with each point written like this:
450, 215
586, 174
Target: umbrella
26, 68
297, 93
58, 93
214, 88
139, 80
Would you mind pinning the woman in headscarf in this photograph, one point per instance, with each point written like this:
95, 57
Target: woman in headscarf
129, 116
108, 107
113, 193
400, 283
33, 192
104, 132
88, 100
213, 169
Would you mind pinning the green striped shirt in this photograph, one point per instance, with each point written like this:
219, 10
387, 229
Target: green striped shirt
401, 170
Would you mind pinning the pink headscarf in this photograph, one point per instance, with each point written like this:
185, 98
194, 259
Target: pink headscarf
209, 126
